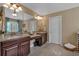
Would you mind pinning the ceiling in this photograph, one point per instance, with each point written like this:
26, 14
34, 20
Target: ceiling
47, 8
41, 9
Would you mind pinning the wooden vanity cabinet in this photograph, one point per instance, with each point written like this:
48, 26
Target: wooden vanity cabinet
44, 37
40, 40
9, 48
0, 49
25, 48
16, 47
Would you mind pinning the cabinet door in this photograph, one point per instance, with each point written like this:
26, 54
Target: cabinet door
0, 49
10, 50
45, 37
25, 48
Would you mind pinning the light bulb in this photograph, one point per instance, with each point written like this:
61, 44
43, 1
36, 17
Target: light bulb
11, 8
20, 8
17, 10
6, 6
14, 5
38, 17
14, 14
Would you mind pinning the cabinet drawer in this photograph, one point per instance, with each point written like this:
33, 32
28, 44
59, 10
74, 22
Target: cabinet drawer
10, 50
25, 43
9, 43
24, 39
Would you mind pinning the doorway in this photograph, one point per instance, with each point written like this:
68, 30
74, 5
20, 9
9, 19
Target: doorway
55, 30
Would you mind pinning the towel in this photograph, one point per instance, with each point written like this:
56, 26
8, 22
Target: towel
69, 45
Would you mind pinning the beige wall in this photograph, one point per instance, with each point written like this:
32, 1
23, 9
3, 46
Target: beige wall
42, 24
70, 24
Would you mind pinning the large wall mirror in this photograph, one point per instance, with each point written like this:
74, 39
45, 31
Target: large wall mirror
23, 22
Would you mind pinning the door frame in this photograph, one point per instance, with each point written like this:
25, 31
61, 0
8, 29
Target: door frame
61, 43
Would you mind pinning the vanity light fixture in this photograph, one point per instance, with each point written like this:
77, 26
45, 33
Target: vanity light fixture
38, 17
13, 6
7, 5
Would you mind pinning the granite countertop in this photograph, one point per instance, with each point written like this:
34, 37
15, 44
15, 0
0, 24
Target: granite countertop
9, 37
34, 35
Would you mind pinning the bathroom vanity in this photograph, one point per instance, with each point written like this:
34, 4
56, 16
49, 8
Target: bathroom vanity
15, 46
40, 38
19, 45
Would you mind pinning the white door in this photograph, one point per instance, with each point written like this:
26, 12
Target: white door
55, 29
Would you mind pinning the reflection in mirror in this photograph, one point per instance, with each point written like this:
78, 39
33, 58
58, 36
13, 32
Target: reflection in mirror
29, 25
24, 22
21, 23
12, 25
33, 26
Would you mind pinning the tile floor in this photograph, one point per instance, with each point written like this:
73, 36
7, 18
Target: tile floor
51, 50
